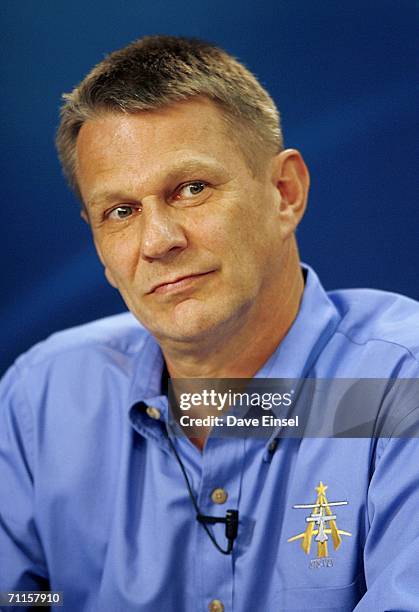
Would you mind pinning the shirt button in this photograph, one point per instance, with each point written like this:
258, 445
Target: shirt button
215, 606
219, 496
153, 413
272, 446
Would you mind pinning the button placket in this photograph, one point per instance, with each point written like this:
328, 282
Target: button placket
222, 464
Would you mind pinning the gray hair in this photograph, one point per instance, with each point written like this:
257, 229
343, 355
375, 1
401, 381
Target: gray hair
158, 71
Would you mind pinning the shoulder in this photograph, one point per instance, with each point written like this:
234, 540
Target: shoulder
79, 369
369, 315
111, 338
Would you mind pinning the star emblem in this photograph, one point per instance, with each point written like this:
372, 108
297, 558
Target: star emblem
321, 489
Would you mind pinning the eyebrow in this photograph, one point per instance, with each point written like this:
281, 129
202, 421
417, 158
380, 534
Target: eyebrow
102, 196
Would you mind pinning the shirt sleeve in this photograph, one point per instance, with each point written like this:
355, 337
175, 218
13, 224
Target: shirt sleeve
22, 565
391, 553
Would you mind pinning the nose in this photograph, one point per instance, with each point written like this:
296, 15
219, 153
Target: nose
161, 232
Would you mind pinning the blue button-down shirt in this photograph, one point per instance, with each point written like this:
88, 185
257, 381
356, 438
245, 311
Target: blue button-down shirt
94, 504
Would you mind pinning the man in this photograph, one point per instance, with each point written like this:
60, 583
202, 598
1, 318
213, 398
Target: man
175, 151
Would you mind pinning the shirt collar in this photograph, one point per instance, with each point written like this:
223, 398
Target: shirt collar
315, 323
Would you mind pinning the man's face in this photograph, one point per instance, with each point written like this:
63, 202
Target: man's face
186, 232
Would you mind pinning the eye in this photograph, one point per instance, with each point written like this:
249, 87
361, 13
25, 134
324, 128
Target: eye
190, 190
121, 212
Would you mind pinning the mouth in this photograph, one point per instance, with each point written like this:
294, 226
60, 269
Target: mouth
180, 283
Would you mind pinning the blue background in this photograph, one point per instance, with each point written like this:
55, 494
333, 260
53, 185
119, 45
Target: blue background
342, 74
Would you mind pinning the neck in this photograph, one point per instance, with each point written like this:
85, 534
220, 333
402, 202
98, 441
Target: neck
241, 351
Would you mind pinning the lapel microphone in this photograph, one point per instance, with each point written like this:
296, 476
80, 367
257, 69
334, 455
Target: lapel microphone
231, 519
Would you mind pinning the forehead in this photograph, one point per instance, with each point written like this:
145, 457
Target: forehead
141, 152
196, 125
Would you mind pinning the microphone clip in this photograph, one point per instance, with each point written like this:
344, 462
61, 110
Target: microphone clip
231, 521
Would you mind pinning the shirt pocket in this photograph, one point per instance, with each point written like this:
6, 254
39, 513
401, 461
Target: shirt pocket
332, 599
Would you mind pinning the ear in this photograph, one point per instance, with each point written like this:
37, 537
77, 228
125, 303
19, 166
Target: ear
292, 180
108, 273
110, 278
106, 270
84, 215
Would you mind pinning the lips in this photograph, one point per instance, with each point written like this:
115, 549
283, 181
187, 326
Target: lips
178, 282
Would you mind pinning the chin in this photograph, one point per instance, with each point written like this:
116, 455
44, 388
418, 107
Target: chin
187, 331
187, 325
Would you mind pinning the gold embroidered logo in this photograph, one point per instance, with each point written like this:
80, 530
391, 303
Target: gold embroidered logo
321, 523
